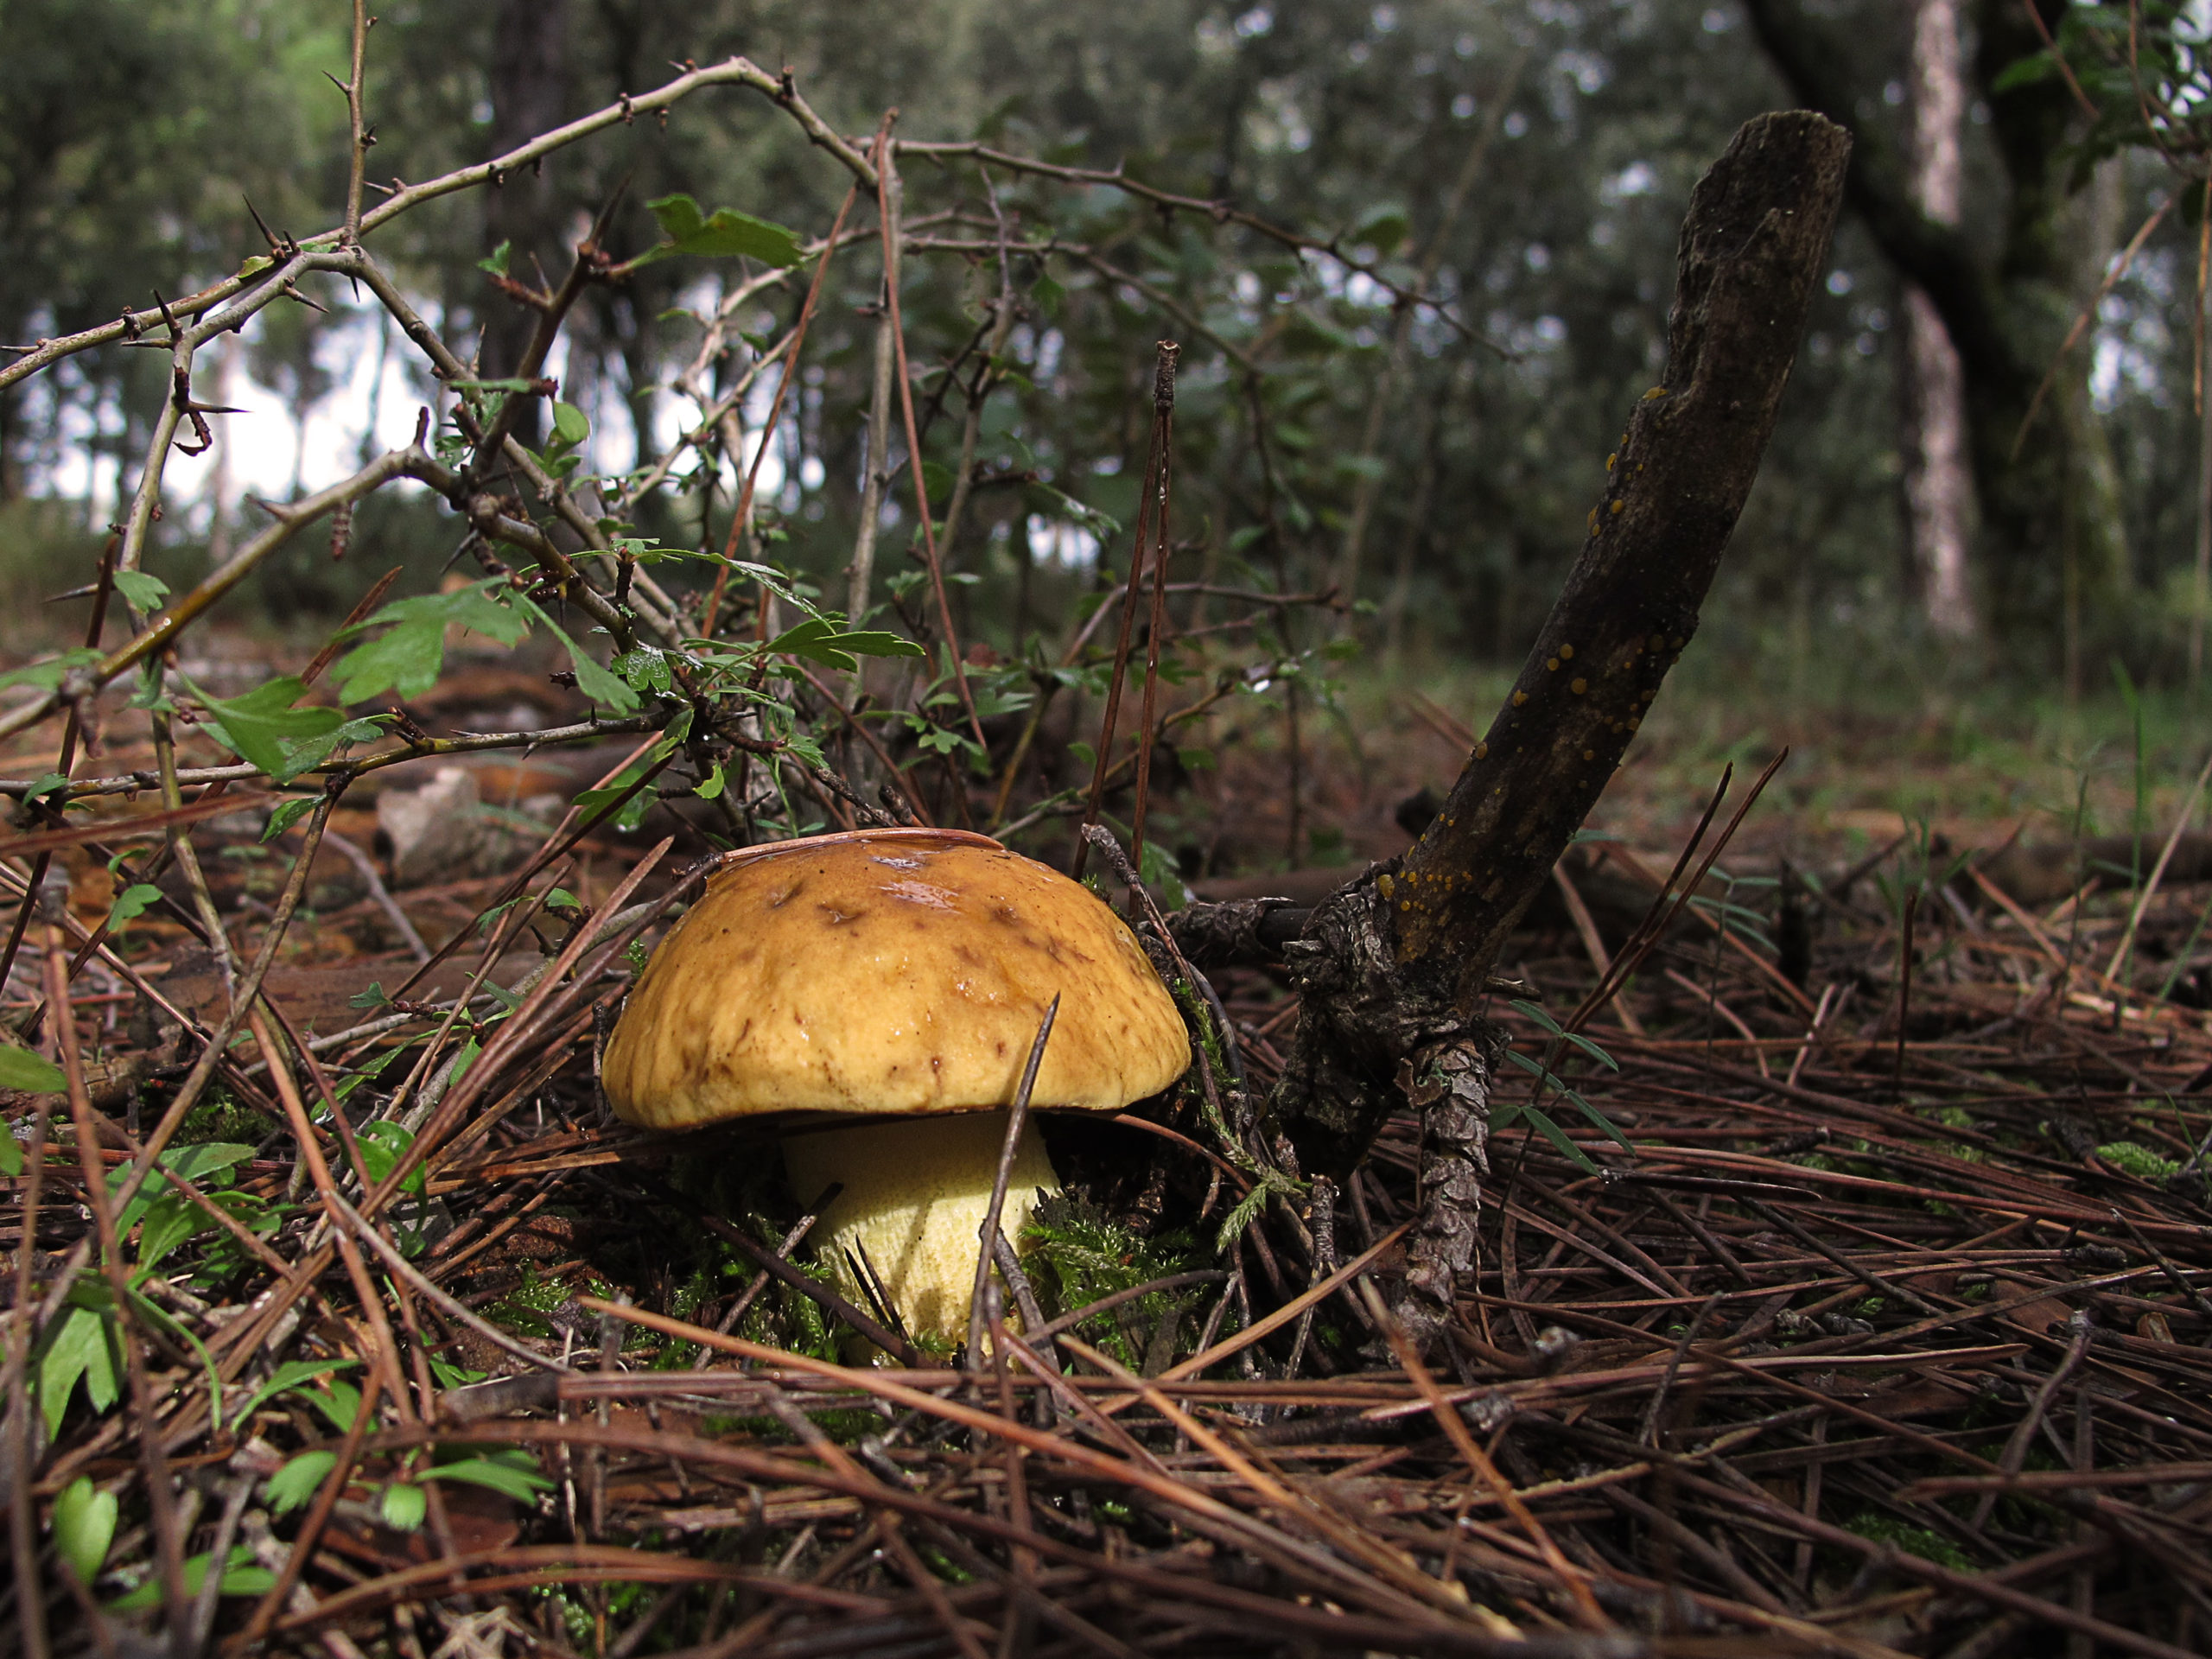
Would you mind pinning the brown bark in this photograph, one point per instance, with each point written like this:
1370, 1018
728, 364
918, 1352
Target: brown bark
1392, 967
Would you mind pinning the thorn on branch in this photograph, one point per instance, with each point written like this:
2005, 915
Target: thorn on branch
282, 246
181, 397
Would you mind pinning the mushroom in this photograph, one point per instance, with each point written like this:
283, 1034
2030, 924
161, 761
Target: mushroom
900, 976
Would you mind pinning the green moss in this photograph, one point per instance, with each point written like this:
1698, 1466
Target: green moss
221, 1115
1081, 1255
1913, 1540
2137, 1160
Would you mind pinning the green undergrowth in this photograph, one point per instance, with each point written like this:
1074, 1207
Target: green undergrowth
221, 1115
1929, 1545
1077, 1254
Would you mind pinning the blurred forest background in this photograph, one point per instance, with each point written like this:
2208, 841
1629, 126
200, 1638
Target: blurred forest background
1527, 162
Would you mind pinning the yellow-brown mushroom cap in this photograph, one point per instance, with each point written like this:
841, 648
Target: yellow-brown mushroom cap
896, 972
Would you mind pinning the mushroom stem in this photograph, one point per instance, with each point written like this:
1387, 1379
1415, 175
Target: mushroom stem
916, 1191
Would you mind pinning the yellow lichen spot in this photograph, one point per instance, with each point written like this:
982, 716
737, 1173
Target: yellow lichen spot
1566, 653
1519, 697
1680, 642
1551, 663
1611, 459
1619, 505
1635, 720
1388, 885
1579, 687
1656, 391
1482, 751
1589, 755
1405, 904
1594, 521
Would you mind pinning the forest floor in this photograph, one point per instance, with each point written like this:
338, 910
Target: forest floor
1846, 1288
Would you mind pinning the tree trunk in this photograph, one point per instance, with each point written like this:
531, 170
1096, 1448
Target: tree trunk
530, 59
2047, 509
1939, 490
1392, 968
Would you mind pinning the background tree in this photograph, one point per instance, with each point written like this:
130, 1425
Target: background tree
2054, 543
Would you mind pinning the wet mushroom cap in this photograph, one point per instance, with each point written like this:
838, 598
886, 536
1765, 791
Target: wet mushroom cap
889, 972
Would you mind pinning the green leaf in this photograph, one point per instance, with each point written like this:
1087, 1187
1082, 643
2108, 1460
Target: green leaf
170, 1221
710, 787
1558, 1137
45, 784
570, 424
21, 1069
494, 264
374, 997
84, 1527
80, 1348
144, 592
726, 234
383, 1145
409, 659
287, 814
131, 904
195, 1163
1603, 1122
339, 1402
256, 727
592, 680
1163, 875
290, 1375
2024, 72
405, 1506
11, 1153
1592, 1050
821, 639
240, 1578
298, 1481
49, 674
521, 1485
367, 1071
937, 481
461, 1061
1528, 1010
